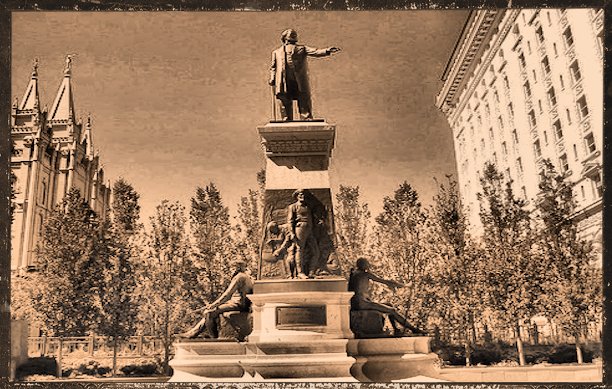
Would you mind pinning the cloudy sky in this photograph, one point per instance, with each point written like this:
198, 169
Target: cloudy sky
176, 97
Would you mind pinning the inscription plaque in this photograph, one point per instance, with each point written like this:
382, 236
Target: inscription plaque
309, 315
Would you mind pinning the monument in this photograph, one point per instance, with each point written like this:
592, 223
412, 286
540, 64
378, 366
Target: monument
301, 305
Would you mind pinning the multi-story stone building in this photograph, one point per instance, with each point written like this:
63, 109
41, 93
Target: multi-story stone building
522, 86
52, 152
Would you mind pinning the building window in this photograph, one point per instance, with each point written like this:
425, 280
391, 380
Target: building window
568, 38
558, 130
597, 185
507, 174
519, 165
491, 136
548, 18
487, 110
583, 109
504, 148
524, 192
545, 66
528, 47
515, 138
552, 97
540, 34
506, 82
575, 71
589, 141
582, 192
537, 149
535, 78
495, 158
569, 116
561, 82
545, 138
522, 62
527, 89
500, 122
563, 163
510, 111
540, 106
555, 50
532, 119
496, 95
575, 152
43, 192
482, 144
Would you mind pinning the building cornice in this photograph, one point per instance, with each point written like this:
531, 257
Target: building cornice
475, 40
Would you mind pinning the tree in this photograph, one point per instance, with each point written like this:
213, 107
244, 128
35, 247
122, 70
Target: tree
513, 275
574, 287
456, 265
400, 247
351, 219
119, 307
69, 263
249, 229
167, 277
211, 230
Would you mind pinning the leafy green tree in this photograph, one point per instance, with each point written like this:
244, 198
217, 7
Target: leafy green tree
400, 249
456, 266
119, 306
514, 277
69, 263
166, 277
352, 221
574, 286
211, 230
249, 228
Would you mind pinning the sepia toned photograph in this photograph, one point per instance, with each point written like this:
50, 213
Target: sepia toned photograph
363, 196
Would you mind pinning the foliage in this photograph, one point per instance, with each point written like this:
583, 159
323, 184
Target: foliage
167, 277
249, 229
211, 230
574, 287
70, 261
456, 267
119, 307
514, 278
400, 250
352, 220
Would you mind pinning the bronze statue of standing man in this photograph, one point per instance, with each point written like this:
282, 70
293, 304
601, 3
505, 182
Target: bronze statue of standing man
289, 75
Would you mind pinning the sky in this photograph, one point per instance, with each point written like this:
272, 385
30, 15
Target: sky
176, 97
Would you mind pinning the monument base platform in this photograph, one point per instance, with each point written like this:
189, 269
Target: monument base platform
338, 360
301, 331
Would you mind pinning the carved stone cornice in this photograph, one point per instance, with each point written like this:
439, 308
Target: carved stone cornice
485, 33
297, 138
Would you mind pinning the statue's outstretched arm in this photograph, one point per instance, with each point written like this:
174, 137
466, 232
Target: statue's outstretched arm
311, 51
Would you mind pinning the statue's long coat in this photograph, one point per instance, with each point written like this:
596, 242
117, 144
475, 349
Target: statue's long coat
298, 55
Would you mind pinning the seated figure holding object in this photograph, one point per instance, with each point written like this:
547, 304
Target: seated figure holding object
359, 282
232, 300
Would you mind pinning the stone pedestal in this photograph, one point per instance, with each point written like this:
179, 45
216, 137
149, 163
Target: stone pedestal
298, 157
300, 310
392, 359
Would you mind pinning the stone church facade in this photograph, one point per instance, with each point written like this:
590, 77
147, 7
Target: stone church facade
52, 152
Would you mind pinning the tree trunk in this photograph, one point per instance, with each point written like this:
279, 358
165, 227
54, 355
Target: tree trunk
519, 344
578, 350
468, 353
114, 355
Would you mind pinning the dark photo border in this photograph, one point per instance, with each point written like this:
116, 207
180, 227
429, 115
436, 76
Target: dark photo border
7, 7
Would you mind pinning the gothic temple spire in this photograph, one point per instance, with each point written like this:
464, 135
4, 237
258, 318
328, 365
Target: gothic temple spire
31, 98
63, 105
